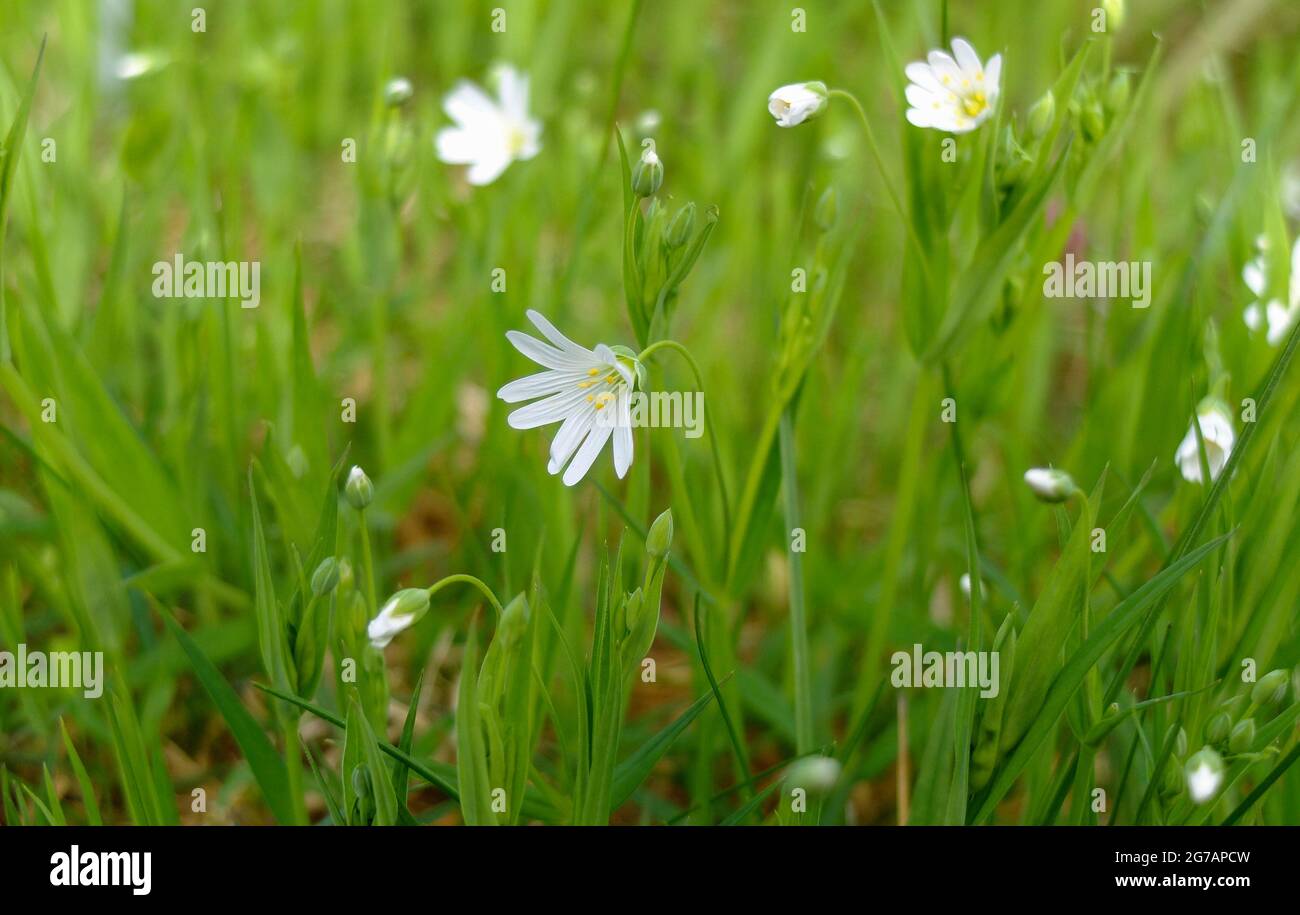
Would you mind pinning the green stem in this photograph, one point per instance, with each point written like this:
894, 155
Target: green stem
469, 580
367, 564
708, 421
803, 714
885, 178
293, 761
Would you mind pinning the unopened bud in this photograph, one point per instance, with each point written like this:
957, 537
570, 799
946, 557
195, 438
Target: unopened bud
1243, 736
358, 489
1270, 688
660, 537
648, 174
679, 230
326, 576
1050, 484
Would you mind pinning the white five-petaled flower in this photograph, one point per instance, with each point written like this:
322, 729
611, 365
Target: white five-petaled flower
953, 92
587, 391
1279, 316
793, 104
1216, 430
489, 133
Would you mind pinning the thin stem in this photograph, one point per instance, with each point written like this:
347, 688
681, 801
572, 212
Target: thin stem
293, 760
469, 580
644, 355
803, 723
880, 167
367, 563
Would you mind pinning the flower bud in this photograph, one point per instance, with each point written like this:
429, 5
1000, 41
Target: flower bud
403, 610
1093, 119
828, 207
326, 577
363, 809
1204, 773
1050, 484
1180, 743
815, 774
1042, 114
397, 92
1218, 727
514, 620
1270, 688
798, 102
1104, 725
358, 489
679, 230
1117, 92
660, 536
648, 173
1243, 736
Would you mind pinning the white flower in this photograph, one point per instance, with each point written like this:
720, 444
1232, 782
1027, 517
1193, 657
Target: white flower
793, 104
586, 391
1277, 315
953, 93
489, 133
1049, 484
1204, 775
403, 610
1216, 429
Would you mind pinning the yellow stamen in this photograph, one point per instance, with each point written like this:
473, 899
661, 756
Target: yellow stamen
593, 372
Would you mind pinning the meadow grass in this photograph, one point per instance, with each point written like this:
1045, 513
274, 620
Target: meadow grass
450, 633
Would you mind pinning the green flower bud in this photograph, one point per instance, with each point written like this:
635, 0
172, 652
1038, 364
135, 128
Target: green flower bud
1172, 782
1050, 484
358, 489
679, 231
1042, 114
828, 207
1104, 725
1218, 727
1094, 120
1270, 688
648, 174
660, 536
1117, 92
326, 577
1180, 744
1243, 736
363, 808
514, 620
397, 92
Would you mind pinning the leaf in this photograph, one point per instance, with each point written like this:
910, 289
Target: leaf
471, 755
361, 746
1120, 619
88, 801
270, 626
8, 159
634, 770
266, 765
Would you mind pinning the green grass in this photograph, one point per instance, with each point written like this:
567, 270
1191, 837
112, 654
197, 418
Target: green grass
839, 291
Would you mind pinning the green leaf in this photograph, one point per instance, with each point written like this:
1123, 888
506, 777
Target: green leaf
266, 765
88, 801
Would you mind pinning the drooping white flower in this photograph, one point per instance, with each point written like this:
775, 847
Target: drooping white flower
953, 92
401, 611
1216, 428
1277, 315
1204, 775
489, 133
793, 104
587, 391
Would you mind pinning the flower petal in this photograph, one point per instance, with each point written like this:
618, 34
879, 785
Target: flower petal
566, 441
550, 332
467, 104
539, 385
623, 435
587, 454
544, 412
966, 57
545, 355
